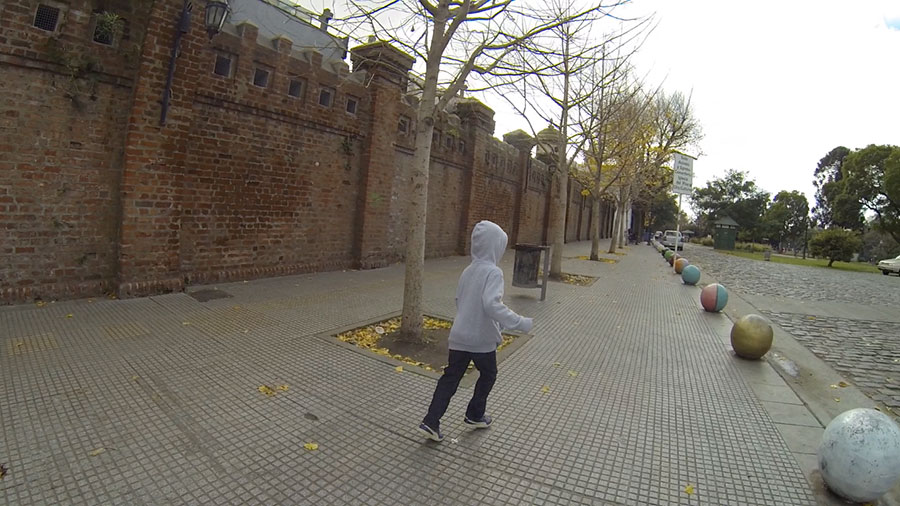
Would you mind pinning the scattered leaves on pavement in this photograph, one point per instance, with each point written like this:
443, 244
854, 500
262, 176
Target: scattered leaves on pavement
689, 490
573, 373
369, 337
266, 390
545, 389
577, 279
283, 388
399, 368
311, 446
97, 451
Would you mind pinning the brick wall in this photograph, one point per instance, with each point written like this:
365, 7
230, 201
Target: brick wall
64, 101
242, 180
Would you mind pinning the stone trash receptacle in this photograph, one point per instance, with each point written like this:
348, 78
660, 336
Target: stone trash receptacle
527, 266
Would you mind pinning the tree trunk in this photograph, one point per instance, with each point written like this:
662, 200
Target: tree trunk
595, 228
411, 324
558, 221
830, 261
615, 229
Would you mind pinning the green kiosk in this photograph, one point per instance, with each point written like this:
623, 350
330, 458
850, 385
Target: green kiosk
725, 233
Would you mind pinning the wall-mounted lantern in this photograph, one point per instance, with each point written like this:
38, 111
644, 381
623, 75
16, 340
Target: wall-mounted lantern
214, 19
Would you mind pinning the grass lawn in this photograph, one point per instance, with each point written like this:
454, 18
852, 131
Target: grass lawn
813, 262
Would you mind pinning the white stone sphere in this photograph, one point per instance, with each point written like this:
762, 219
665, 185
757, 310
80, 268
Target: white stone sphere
860, 454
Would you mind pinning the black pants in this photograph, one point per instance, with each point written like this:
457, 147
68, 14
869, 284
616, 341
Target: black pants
486, 363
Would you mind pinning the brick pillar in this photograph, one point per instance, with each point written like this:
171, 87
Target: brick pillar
386, 69
524, 143
155, 154
478, 130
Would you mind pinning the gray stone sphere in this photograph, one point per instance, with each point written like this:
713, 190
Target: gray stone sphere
859, 456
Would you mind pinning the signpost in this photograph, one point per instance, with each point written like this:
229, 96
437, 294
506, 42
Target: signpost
682, 184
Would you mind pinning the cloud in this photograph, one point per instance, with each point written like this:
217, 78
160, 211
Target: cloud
893, 22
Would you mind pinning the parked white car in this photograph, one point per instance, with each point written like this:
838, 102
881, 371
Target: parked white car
890, 265
669, 238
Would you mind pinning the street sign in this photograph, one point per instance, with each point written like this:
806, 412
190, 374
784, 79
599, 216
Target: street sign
683, 181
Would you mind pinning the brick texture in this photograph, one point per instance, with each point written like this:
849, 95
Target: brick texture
242, 180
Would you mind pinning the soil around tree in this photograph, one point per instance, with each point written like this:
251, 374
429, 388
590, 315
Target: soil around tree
432, 350
428, 355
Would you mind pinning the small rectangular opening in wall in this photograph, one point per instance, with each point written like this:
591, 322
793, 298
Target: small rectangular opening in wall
352, 103
46, 18
326, 96
403, 125
462, 146
261, 77
448, 142
296, 88
224, 65
108, 27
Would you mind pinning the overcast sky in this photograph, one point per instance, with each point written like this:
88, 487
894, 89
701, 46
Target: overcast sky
776, 85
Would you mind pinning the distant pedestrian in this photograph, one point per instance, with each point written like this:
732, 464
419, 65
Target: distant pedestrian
475, 334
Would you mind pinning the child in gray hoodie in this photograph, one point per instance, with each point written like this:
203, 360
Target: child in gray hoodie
475, 334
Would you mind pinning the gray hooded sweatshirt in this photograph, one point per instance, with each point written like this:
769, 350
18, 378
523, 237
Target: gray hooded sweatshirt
480, 312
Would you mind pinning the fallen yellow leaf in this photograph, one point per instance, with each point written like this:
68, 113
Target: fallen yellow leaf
311, 446
134, 378
689, 490
283, 388
70, 315
833, 386
545, 389
266, 390
556, 364
573, 373
837, 399
399, 368
96, 452
843, 384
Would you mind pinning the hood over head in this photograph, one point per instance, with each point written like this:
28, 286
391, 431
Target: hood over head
488, 242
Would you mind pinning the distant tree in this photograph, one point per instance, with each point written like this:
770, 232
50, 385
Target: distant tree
878, 245
871, 178
786, 218
827, 180
732, 195
835, 244
663, 207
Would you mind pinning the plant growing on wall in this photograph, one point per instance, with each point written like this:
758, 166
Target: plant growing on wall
109, 27
79, 80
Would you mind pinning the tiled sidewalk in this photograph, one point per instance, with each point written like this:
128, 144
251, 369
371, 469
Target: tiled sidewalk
155, 400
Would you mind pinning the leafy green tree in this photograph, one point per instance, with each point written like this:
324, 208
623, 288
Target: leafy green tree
871, 177
827, 180
663, 210
786, 218
878, 245
733, 195
835, 244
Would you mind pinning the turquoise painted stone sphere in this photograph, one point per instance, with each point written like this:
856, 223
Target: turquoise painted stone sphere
690, 275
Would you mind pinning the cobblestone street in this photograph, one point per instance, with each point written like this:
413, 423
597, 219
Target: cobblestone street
866, 351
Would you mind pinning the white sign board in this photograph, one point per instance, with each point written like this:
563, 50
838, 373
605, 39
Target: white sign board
683, 181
